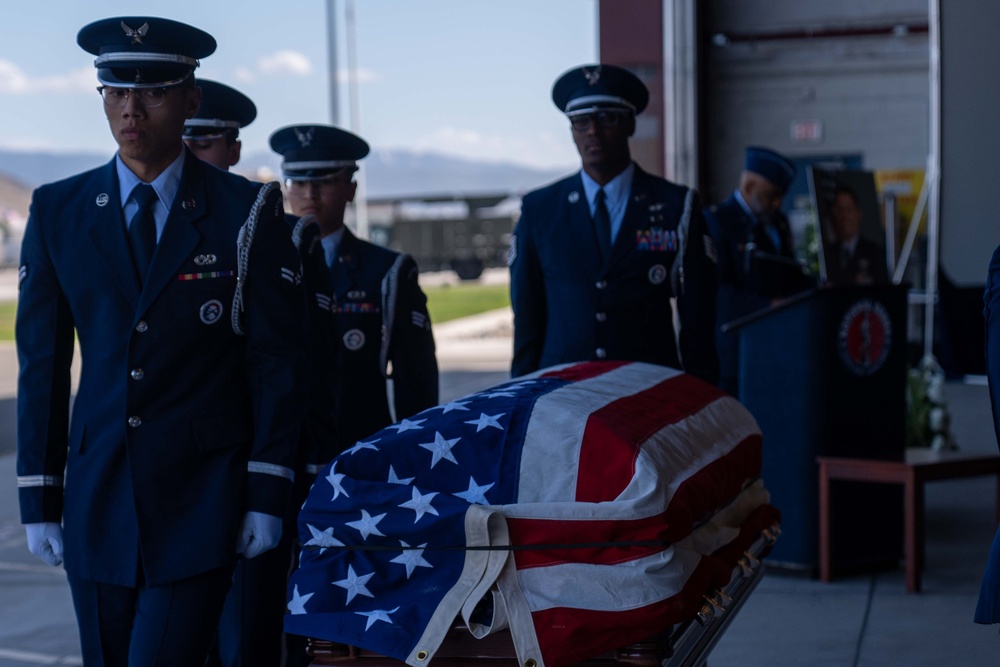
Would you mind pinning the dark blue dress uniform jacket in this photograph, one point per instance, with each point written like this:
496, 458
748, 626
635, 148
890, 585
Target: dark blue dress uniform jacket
988, 609
319, 441
745, 286
382, 327
180, 425
570, 305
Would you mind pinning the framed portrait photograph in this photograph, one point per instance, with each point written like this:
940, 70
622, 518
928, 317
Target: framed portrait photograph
850, 225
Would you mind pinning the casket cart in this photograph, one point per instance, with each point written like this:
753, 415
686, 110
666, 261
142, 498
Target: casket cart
642, 554
685, 645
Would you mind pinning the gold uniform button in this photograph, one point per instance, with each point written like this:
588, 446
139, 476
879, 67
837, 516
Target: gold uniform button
600, 353
137, 374
142, 327
134, 422
601, 284
602, 317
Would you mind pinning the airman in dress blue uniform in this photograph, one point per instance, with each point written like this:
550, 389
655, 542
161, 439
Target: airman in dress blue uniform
756, 252
182, 288
213, 134
597, 258
988, 606
251, 627
381, 326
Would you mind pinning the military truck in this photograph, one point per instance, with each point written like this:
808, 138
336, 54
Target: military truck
462, 232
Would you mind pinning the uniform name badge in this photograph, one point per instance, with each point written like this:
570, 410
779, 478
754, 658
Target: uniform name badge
354, 339
210, 311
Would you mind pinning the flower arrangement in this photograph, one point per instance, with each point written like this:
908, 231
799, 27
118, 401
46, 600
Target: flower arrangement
928, 422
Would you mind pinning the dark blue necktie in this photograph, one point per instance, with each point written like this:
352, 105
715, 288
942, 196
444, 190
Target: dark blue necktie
142, 229
602, 223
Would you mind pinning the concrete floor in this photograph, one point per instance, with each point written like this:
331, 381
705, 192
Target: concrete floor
790, 620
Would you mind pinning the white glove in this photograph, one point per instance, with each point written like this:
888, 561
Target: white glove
259, 533
45, 540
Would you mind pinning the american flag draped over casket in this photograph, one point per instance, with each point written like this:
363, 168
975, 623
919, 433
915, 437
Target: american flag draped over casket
583, 507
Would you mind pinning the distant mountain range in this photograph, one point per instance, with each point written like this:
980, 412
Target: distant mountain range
389, 173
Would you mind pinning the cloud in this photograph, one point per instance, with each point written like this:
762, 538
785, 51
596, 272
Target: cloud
285, 62
13, 81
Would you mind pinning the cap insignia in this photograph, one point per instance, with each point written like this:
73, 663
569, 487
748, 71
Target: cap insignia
592, 76
305, 138
136, 35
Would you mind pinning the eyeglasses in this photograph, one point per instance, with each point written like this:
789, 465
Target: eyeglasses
301, 186
602, 119
118, 97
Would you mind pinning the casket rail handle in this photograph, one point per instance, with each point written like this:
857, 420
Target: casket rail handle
713, 607
771, 534
647, 653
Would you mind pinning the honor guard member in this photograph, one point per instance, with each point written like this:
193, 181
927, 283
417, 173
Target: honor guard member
382, 327
178, 457
597, 258
756, 253
213, 134
251, 628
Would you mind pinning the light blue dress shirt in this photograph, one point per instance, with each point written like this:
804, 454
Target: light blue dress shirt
616, 194
165, 185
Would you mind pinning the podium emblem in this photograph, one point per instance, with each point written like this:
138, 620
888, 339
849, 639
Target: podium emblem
865, 337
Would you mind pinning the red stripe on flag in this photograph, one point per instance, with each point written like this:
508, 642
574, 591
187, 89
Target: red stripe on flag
615, 432
584, 371
599, 536
697, 497
567, 635
714, 486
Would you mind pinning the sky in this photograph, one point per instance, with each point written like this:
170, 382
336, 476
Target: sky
468, 78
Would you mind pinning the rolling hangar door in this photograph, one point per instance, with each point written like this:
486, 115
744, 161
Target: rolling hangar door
845, 84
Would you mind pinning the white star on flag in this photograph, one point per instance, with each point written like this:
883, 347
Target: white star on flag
359, 445
440, 448
420, 504
411, 558
322, 539
396, 480
486, 420
407, 425
297, 605
354, 585
377, 615
366, 525
452, 405
520, 385
335, 480
476, 494
499, 394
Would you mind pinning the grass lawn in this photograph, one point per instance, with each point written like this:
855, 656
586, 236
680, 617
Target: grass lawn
447, 302
7, 311
450, 302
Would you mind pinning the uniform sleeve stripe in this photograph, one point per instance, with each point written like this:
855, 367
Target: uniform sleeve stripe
39, 480
271, 469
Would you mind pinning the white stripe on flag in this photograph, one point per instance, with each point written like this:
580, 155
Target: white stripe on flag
550, 460
629, 585
666, 460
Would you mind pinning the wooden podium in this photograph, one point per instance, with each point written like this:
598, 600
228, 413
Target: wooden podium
824, 374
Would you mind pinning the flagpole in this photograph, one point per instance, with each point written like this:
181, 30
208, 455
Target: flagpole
331, 45
360, 200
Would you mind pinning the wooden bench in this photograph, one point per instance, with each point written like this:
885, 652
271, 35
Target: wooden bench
919, 467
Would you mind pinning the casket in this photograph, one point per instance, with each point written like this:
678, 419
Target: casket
592, 513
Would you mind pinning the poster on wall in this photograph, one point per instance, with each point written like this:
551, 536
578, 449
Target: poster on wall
850, 222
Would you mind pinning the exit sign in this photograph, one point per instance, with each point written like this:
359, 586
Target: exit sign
807, 131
